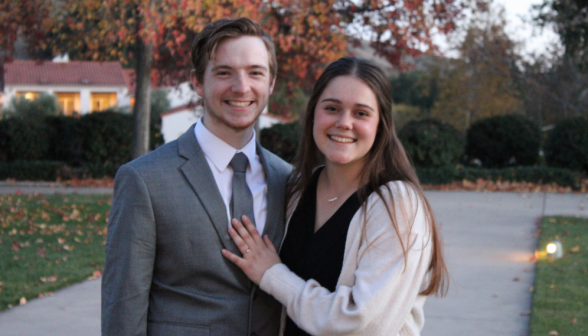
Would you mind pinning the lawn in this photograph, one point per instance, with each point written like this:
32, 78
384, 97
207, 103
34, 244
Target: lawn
560, 299
48, 242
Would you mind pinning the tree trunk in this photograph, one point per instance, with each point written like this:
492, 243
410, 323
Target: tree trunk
142, 108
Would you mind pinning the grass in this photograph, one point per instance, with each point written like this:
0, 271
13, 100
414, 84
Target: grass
48, 242
560, 299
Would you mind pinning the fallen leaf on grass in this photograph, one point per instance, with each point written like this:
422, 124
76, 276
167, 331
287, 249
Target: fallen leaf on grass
41, 252
68, 247
574, 320
95, 275
22, 301
61, 240
553, 333
51, 278
575, 249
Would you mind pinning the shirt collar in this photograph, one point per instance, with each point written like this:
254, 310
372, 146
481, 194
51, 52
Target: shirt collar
219, 152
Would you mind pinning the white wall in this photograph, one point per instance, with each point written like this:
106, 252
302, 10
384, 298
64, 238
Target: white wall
175, 124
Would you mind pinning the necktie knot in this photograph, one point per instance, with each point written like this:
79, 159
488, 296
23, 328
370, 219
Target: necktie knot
239, 163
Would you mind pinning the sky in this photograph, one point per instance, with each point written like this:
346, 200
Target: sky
533, 40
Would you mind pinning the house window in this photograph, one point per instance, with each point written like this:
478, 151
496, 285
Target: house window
69, 102
102, 101
31, 95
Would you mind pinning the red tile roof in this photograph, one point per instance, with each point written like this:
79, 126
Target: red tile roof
70, 73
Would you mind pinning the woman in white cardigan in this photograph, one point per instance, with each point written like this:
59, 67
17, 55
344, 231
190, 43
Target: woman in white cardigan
362, 251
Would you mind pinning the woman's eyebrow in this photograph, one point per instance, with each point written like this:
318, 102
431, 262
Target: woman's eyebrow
339, 102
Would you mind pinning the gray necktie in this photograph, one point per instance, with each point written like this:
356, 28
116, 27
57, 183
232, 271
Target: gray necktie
241, 199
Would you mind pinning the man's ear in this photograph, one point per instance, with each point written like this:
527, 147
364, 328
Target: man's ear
196, 83
272, 84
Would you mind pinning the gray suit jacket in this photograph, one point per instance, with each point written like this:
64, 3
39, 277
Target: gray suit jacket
164, 272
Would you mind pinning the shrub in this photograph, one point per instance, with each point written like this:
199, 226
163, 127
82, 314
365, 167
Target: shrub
65, 139
281, 139
44, 105
567, 145
30, 170
501, 141
445, 175
23, 139
431, 143
107, 138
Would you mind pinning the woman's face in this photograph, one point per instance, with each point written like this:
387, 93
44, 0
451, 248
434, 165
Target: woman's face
346, 121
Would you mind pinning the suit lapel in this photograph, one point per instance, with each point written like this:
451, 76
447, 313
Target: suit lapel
197, 172
274, 227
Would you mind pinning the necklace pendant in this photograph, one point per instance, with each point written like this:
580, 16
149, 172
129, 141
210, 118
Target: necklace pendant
332, 199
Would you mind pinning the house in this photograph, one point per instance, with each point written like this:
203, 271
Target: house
80, 86
176, 121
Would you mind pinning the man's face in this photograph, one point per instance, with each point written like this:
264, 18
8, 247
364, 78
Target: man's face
236, 85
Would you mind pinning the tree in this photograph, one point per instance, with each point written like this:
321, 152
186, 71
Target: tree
554, 88
157, 34
556, 83
44, 105
569, 18
27, 19
484, 80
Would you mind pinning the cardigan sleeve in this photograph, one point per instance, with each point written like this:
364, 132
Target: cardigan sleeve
384, 290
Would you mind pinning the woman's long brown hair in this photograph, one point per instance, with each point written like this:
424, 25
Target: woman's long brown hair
386, 161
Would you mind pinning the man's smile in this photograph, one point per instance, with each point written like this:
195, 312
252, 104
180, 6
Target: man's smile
239, 103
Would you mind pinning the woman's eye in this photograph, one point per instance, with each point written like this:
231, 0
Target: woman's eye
331, 108
362, 114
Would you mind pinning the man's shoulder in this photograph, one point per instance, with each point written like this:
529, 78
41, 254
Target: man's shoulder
277, 162
161, 157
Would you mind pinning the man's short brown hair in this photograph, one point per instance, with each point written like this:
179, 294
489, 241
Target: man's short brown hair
215, 32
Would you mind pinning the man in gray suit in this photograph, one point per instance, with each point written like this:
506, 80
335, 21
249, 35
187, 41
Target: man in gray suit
164, 272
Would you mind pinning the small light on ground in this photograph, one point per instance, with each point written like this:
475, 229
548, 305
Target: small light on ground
554, 249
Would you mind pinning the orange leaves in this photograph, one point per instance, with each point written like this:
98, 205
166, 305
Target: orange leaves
487, 185
51, 278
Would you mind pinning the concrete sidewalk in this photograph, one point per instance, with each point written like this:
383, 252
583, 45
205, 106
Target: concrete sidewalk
489, 239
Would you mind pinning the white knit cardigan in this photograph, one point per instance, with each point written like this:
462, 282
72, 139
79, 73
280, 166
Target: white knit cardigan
377, 292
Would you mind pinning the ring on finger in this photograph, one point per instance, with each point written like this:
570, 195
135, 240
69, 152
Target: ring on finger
248, 250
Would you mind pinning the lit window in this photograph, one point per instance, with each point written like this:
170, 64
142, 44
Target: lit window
102, 101
28, 95
69, 102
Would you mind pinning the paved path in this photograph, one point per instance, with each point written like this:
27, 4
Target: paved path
489, 239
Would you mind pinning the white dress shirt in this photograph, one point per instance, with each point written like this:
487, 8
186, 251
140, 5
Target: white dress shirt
219, 154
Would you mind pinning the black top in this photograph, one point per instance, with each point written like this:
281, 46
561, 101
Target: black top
319, 255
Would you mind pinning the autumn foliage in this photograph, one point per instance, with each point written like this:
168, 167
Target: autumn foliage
308, 34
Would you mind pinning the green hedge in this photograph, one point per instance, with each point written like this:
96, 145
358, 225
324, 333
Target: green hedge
30, 170
281, 139
23, 139
93, 145
431, 143
445, 175
52, 170
567, 145
502, 141
107, 138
